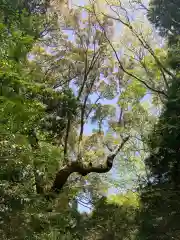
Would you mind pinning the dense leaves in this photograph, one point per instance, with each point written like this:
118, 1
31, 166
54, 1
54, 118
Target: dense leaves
160, 200
89, 120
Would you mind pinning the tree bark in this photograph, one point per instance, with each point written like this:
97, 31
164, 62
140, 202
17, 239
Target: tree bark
83, 169
73, 167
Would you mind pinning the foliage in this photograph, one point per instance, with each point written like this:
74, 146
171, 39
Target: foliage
164, 14
62, 70
113, 219
160, 197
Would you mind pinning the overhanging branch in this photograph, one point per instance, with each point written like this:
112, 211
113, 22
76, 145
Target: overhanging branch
83, 169
77, 166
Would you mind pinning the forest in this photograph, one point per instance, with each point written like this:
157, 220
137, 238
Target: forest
89, 119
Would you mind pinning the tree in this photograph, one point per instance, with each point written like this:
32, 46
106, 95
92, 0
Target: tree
159, 198
164, 15
112, 217
51, 88
166, 131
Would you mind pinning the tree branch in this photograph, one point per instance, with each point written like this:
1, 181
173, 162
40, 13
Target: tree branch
122, 67
87, 69
141, 40
83, 169
66, 138
83, 110
91, 109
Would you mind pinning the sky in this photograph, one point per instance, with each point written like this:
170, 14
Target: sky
89, 126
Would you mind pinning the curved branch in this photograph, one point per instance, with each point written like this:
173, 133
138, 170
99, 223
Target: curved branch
78, 167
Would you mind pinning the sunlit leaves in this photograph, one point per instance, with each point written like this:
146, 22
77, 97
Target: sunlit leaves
109, 91
102, 112
61, 81
130, 198
133, 93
